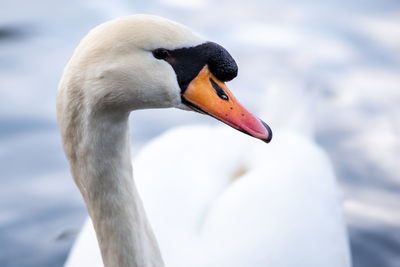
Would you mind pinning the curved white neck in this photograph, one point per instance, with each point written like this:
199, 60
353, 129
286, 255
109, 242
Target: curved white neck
103, 172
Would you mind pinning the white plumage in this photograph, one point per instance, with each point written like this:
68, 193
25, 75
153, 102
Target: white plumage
215, 197
284, 209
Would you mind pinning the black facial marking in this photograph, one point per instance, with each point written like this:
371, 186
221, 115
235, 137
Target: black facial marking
188, 62
220, 92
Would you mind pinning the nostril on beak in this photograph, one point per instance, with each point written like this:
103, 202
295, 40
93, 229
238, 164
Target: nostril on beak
220, 92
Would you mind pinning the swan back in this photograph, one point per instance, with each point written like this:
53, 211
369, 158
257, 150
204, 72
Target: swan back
241, 203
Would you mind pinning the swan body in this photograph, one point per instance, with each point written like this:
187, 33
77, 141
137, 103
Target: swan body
280, 204
244, 204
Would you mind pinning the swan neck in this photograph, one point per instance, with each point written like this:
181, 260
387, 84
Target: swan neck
103, 172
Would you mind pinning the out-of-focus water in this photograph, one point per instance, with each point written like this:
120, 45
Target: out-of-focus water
348, 51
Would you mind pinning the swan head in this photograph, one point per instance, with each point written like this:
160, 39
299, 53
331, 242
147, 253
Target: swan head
144, 61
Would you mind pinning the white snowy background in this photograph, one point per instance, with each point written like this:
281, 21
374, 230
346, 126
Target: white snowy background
347, 51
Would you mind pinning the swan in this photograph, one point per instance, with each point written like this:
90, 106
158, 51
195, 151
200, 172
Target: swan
130, 63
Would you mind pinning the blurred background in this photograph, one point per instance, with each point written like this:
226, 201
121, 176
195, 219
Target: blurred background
347, 51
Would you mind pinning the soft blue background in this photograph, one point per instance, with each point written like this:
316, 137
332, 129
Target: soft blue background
349, 51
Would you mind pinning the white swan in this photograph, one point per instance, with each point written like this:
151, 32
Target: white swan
283, 211
135, 62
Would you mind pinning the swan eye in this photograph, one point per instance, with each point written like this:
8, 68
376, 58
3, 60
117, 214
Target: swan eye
160, 53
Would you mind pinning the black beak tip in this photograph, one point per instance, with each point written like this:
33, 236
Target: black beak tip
268, 139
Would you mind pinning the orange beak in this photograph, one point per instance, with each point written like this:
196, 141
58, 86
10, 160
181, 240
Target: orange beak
207, 94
